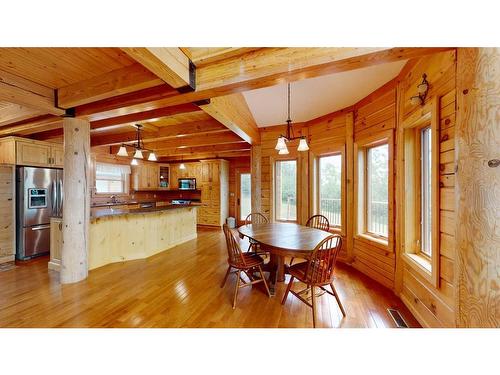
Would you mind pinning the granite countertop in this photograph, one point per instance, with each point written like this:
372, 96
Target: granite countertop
97, 213
120, 203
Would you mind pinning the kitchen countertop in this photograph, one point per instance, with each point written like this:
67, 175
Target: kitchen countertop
120, 203
97, 212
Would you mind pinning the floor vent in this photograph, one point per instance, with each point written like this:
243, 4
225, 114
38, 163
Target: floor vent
398, 319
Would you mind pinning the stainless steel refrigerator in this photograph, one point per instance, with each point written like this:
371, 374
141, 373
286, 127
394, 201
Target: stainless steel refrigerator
39, 196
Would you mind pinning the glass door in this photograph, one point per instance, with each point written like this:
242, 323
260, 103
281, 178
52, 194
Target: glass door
244, 198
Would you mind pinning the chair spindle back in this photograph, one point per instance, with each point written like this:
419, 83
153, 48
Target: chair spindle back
318, 222
234, 254
322, 261
256, 218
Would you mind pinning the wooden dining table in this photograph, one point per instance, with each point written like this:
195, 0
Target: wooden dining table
282, 240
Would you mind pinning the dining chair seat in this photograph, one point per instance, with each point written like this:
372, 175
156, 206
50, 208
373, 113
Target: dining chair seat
250, 260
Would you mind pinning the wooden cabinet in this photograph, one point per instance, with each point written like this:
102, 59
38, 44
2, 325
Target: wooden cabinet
146, 176
55, 243
7, 218
214, 192
22, 151
164, 175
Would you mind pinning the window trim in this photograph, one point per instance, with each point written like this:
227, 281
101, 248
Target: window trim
427, 267
125, 183
297, 197
341, 229
360, 176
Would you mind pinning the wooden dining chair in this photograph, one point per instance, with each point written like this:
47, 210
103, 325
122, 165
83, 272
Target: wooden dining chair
242, 262
317, 271
318, 222
255, 218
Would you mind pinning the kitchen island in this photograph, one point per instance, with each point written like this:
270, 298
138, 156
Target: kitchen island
118, 235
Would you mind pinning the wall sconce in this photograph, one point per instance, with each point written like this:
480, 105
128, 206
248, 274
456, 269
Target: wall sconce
422, 90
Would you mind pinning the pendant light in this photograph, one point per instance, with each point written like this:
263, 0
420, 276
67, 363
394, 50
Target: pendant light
122, 151
281, 146
139, 148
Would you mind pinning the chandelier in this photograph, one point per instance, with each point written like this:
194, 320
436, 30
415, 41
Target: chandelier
139, 148
283, 139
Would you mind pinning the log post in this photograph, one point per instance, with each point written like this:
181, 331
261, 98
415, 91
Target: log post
76, 210
478, 187
349, 168
256, 177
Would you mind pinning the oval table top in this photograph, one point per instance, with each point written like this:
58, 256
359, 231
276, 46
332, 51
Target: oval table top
287, 237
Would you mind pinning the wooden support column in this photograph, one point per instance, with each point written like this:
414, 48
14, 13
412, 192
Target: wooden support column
349, 166
478, 187
256, 177
76, 210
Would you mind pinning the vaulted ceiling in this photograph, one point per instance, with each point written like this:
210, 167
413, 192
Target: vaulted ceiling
192, 102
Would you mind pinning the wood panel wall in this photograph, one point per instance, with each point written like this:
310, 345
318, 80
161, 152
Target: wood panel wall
8, 210
434, 306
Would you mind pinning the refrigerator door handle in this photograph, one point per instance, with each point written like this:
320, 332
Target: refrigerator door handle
41, 227
54, 197
61, 197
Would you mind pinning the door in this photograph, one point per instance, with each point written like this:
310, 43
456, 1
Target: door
243, 195
32, 154
57, 153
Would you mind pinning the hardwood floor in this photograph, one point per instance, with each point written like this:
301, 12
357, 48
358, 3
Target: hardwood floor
180, 288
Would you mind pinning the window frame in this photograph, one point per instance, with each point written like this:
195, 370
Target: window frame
316, 189
297, 188
360, 186
411, 192
125, 183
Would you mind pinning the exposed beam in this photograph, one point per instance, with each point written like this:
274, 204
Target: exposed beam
228, 147
120, 81
219, 155
271, 66
138, 101
38, 124
233, 112
201, 56
14, 113
203, 139
171, 131
168, 63
18, 90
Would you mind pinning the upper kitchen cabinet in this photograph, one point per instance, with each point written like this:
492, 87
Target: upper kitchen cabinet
146, 176
22, 151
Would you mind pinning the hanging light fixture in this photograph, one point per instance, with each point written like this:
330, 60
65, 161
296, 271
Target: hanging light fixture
282, 139
139, 148
182, 166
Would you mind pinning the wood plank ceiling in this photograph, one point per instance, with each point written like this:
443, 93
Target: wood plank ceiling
188, 99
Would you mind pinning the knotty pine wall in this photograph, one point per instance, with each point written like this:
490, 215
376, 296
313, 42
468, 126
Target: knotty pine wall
380, 113
433, 306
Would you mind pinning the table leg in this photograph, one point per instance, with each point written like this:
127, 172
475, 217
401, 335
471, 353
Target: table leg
272, 267
281, 269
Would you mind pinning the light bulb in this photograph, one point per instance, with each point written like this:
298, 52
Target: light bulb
182, 166
303, 145
122, 151
152, 157
422, 88
138, 154
134, 162
280, 145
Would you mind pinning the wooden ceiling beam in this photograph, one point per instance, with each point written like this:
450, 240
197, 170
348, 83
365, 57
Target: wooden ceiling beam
228, 147
233, 112
166, 132
15, 113
120, 81
168, 63
21, 91
38, 124
203, 139
195, 157
138, 101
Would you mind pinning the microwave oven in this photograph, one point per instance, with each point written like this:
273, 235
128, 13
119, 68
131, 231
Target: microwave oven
187, 183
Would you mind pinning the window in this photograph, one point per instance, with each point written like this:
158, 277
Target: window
329, 202
111, 178
286, 190
377, 197
245, 195
426, 188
